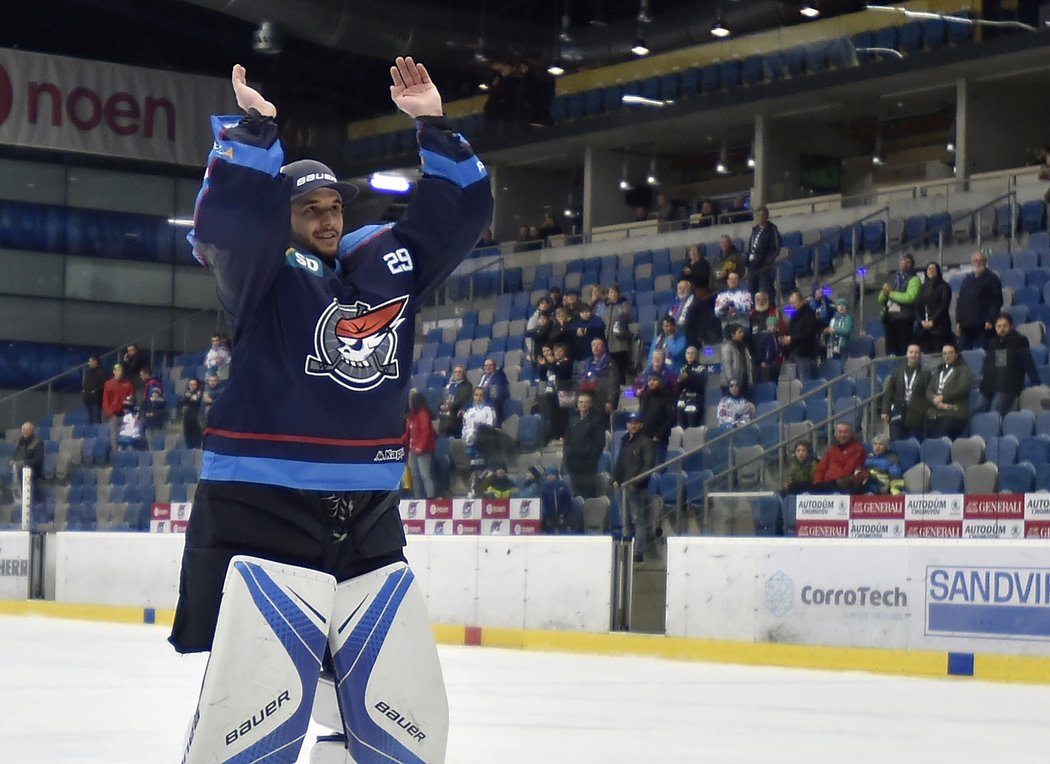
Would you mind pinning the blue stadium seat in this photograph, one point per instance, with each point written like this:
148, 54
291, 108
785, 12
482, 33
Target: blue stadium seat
946, 478
986, 424
908, 452
1035, 449
936, 451
861, 346
766, 512
1000, 450
1020, 424
1017, 478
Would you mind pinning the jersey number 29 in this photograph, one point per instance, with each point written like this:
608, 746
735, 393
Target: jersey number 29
398, 261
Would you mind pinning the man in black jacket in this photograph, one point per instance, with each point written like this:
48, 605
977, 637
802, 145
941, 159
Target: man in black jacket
762, 249
584, 442
635, 457
980, 300
91, 389
801, 339
1007, 358
29, 452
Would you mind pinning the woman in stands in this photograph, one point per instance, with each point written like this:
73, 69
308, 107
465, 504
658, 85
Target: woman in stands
692, 384
931, 311
191, 413
419, 442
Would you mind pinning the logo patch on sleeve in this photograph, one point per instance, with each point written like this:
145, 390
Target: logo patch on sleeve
356, 345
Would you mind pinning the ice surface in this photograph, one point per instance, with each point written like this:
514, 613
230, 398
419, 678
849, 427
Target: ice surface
94, 693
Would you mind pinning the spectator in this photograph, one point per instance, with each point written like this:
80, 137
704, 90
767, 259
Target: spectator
660, 366
583, 444
213, 390
1007, 358
658, 409
948, 395
555, 297
117, 389
585, 328
192, 400
536, 236
149, 383
92, 385
559, 398
904, 397
636, 456
561, 332
543, 362
666, 211
538, 337
476, 417
734, 409
898, 306
823, 307
842, 468
697, 271
597, 301
734, 303
217, 359
737, 363
130, 436
931, 309
708, 213
133, 361
549, 227
419, 442
761, 313
729, 261
801, 470
498, 485
496, 387
29, 452
558, 511
458, 393
571, 303
154, 410
762, 250
599, 377
839, 329
801, 337
769, 355
692, 386
543, 308
687, 311
980, 300
533, 486
672, 342
885, 475
487, 240
618, 318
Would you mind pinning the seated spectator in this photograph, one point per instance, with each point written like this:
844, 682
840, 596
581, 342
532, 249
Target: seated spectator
154, 410
487, 240
130, 435
708, 213
729, 261
697, 271
734, 409
842, 468
599, 377
769, 353
904, 397
498, 485
1007, 359
689, 313
533, 484
585, 328
583, 445
801, 339
475, 417
636, 456
737, 363
419, 442
672, 342
658, 409
94, 381
213, 390
496, 387
29, 452
801, 469
883, 466
217, 359
558, 512
559, 397
192, 401
660, 366
148, 383
733, 304
666, 210
618, 318
931, 311
692, 386
458, 394
948, 395
837, 333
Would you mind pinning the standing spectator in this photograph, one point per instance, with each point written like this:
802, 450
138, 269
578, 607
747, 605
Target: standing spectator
729, 261
761, 313
687, 310
737, 363
562, 333
672, 342
117, 389
558, 511
597, 301
931, 310
543, 307
192, 400
419, 442
842, 468
154, 410
660, 366
692, 386
571, 304
801, 470
559, 397
217, 359
585, 328
801, 337
898, 306
839, 329
697, 271
496, 386
458, 393
538, 337
130, 435
29, 452
148, 383
636, 456
980, 300
734, 303
904, 397
948, 395
213, 390
583, 444
823, 307
769, 353
885, 475
554, 294
133, 361
476, 417
599, 377
734, 409
618, 318
1007, 358
762, 250
91, 388
658, 409
549, 227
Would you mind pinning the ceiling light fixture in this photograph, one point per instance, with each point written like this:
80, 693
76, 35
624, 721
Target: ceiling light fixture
625, 184
809, 10
555, 70
651, 178
719, 29
389, 183
640, 48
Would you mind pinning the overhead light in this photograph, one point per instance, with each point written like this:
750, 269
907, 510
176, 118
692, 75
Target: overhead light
751, 162
719, 29
483, 86
640, 48
390, 183
644, 16
721, 168
950, 146
184, 222
555, 70
624, 183
636, 100
267, 39
651, 178
809, 10
876, 160
568, 213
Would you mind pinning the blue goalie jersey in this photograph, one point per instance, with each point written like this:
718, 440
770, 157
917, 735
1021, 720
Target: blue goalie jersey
322, 352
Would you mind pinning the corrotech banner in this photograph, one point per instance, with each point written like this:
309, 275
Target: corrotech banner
69, 104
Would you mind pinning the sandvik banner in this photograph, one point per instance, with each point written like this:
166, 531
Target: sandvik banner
68, 104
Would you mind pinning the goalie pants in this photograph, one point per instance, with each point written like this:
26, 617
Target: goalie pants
343, 534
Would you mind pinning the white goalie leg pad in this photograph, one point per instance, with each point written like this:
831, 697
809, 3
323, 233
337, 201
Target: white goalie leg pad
387, 675
266, 656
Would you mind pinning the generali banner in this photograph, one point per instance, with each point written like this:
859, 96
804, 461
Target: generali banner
69, 104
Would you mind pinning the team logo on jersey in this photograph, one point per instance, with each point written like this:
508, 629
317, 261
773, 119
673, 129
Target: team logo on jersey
356, 345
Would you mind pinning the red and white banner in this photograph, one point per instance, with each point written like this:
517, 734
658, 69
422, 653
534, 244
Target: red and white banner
173, 517
69, 104
471, 517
